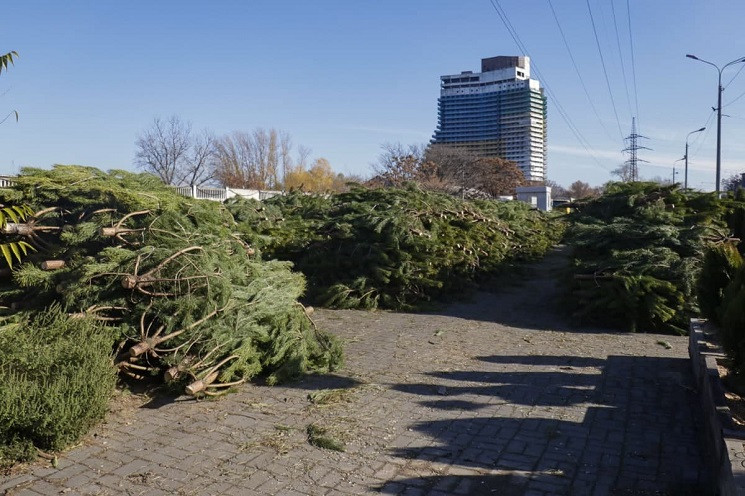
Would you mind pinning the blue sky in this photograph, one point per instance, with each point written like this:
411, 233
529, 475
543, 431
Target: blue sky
343, 77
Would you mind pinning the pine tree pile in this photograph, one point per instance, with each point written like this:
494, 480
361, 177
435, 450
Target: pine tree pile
162, 279
721, 284
638, 250
394, 248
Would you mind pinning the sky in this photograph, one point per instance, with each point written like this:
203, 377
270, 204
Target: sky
343, 77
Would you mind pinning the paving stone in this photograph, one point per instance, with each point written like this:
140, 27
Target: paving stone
523, 403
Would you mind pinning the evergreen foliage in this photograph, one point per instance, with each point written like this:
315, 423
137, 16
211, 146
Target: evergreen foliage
720, 264
168, 274
732, 320
55, 381
638, 251
393, 248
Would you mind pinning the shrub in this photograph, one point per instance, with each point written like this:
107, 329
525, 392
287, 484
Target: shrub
732, 318
56, 377
638, 251
720, 264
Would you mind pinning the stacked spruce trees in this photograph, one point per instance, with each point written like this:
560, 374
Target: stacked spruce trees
638, 250
721, 285
393, 248
126, 276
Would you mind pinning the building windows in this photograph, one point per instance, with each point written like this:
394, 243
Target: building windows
495, 112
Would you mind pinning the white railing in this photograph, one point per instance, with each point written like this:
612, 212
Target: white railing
198, 192
222, 194
6, 182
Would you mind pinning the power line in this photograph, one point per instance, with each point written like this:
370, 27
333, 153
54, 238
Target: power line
579, 74
706, 134
733, 77
633, 61
620, 56
736, 98
605, 72
564, 115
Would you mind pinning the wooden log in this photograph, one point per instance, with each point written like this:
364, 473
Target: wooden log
52, 264
115, 231
19, 229
172, 374
140, 348
201, 384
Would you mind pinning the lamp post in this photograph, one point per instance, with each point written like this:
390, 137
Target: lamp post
686, 155
719, 111
674, 171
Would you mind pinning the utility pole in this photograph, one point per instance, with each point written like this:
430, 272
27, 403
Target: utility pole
686, 155
632, 149
674, 171
719, 112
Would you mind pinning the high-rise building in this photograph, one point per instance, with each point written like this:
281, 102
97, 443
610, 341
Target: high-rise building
498, 112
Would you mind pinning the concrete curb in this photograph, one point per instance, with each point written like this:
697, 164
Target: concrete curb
724, 444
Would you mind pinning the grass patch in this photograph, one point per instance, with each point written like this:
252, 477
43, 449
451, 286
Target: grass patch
325, 397
320, 438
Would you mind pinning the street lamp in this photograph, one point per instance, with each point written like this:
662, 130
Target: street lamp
686, 155
719, 111
674, 171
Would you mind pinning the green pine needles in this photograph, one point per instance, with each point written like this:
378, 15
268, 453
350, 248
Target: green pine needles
56, 378
638, 251
130, 275
393, 248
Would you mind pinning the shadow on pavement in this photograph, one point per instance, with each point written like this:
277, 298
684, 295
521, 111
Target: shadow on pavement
629, 429
314, 382
532, 300
497, 485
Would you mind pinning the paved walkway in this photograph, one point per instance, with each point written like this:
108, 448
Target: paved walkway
497, 396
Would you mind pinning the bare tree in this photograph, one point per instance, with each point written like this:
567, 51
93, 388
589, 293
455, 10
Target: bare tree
197, 168
253, 160
162, 149
557, 190
172, 152
733, 182
624, 172
492, 176
497, 176
449, 169
456, 167
399, 164
579, 189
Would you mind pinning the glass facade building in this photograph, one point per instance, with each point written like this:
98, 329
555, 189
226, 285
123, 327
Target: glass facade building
498, 112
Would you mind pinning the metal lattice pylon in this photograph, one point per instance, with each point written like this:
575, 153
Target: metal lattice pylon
633, 147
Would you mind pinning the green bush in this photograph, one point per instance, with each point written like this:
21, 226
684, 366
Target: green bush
394, 248
720, 264
732, 318
56, 377
638, 250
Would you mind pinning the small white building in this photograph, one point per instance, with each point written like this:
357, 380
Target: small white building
538, 196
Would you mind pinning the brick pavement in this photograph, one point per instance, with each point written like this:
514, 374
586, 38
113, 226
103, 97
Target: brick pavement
497, 396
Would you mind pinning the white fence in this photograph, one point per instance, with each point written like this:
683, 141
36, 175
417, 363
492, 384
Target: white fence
222, 194
198, 192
